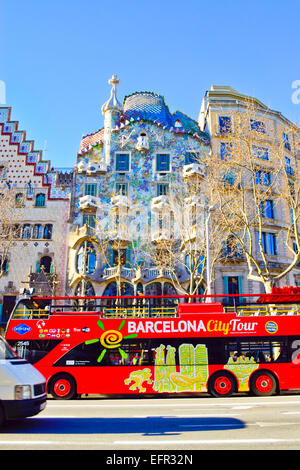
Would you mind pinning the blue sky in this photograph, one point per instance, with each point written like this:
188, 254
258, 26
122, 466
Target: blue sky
57, 57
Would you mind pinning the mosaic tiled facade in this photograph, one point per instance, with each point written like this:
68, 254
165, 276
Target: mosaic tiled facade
91, 231
124, 173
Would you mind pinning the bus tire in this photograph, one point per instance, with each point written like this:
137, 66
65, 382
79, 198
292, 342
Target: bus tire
222, 384
263, 384
62, 386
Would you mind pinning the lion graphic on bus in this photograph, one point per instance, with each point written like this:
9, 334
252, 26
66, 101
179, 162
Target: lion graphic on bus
138, 377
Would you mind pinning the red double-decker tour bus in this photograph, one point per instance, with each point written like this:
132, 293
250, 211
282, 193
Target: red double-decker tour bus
154, 344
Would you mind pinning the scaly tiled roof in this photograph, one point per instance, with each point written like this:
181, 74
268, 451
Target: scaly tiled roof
148, 106
151, 107
91, 140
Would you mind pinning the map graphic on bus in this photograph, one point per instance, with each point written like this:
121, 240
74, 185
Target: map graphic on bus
193, 370
192, 375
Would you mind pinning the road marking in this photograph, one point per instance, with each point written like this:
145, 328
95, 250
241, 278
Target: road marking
51, 443
150, 442
46, 416
203, 415
170, 404
258, 423
25, 443
272, 424
205, 442
242, 407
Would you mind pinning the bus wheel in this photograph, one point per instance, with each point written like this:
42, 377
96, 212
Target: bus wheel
62, 387
222, 384
263, 384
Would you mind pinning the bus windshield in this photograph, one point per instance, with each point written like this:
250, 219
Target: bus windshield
29, 309
6, 352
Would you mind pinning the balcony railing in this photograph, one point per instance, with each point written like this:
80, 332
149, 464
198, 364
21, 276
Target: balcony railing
89, 203
120, 201
162, 235
147, 274
127, 273
160, 203
193, 169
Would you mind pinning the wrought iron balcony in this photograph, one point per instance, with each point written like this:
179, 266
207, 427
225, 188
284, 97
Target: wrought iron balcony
89, 203
193, 169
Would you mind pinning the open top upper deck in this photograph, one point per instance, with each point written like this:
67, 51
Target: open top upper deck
282, 301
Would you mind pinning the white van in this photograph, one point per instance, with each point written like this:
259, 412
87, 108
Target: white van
22, 387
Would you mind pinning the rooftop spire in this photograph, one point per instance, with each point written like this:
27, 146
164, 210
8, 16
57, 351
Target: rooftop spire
113, 102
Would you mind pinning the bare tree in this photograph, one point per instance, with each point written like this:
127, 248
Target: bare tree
10, 217
179, 243
249, 179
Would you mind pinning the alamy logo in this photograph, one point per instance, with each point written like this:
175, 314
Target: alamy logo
2, 92
296, 93
22, 329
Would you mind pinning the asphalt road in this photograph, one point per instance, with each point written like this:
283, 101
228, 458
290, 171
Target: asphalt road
168, 423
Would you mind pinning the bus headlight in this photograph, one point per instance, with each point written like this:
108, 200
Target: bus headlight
23, 392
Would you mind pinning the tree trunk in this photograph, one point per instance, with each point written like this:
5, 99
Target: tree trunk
268, 285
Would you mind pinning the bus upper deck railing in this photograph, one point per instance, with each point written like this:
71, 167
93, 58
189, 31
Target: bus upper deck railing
264, 310
152, 306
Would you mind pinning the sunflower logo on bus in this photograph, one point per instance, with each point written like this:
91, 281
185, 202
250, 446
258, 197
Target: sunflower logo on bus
111, 339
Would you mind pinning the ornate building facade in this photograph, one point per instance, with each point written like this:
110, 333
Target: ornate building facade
131, 216
122, 212
35, 204
227, 115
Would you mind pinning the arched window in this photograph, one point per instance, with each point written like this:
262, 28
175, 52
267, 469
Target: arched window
26, 231
84, 288
169, 289
154, 288
16, 230
139, 289
37, 231
46, 262
48, 231
86, 258
40, 200
19, 200
3, 267
110, 289
125, 289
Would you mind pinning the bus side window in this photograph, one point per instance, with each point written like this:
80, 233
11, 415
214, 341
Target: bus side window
279, 351
34, 350
261, 357
232, 349
137, 353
